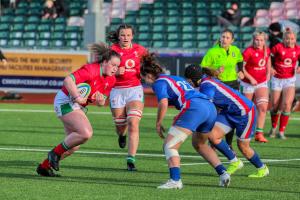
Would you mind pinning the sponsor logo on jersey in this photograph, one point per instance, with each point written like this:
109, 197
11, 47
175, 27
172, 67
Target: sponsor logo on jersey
129, 64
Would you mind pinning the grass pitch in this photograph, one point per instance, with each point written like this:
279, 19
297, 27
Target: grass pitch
97, 171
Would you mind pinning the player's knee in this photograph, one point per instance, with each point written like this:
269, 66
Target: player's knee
86, 134
178, 137
134, 114
120, 122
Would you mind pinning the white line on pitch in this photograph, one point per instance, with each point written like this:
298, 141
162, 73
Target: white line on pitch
94, 113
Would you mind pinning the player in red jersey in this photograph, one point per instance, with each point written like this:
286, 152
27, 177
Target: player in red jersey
257, 65
285, 56
127, 97
69, 105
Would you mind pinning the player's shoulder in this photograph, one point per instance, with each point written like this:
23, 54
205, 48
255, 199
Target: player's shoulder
139, 47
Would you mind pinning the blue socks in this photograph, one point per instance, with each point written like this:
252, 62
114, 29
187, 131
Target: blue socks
220, 169
255, 160
224, 148
175, 173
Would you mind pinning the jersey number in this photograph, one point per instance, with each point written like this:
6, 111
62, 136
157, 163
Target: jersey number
185, 85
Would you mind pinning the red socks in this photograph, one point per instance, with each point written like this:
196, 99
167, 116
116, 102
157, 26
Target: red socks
284, 119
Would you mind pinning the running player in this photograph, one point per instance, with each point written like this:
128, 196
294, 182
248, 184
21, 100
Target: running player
176, 91
127, 97
236, 111
225, 58
284, 61
254, 86
69, 105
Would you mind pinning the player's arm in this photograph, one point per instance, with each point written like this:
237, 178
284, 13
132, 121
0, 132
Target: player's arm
249, 76
268, 65
161, 112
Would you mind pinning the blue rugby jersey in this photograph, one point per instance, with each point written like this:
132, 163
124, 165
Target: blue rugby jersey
228, 99
176, 89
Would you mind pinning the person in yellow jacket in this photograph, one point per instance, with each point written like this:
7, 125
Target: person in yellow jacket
226, 59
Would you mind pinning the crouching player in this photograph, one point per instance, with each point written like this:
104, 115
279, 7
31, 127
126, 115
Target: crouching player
236, 111
69, 105
190, 102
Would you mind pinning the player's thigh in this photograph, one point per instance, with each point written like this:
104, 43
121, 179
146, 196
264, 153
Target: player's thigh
76, 121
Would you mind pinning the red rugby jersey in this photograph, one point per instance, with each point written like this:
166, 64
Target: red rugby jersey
92, 75
130, 60
256, 63
285, 60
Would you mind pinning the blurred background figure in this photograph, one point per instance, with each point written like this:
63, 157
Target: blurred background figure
49, 10
231, 16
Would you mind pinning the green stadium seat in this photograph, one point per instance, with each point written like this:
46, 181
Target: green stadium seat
235, 29
158, 5
216, 36
44, 27
203, 21
173, 36
130, 20
3, 42
144, 36
173, 28
188, 44
29, 35
57, 35
116, 21
174, 44
202, 37
187, 20
172, 5
173, 20
19, 20
15, 43
30, 27
187, 5
74, 44
31, 43
158, 12
17, 27
33, 20
59, 27
158, 28
73, 29
22, 4
246, 37
202, 13
144, 43
44, 44
172, 12
45, 35
201, 5
216, 29
143, 20
46, 21
216, 6
57, 43
60, 20
247, 29
188, 36
202, 29
35, 5
6, 19
20, 12
34, 12
159, 44
144, 28
16, 35
7, 11
4, 35
144, 12
158, 20
4, 27
188, 28
158, 36
75, 12
203, 44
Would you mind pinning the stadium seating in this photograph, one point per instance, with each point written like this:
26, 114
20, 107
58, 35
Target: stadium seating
25, 28
188, 24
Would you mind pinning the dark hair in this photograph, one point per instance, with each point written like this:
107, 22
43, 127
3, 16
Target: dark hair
195, 72
227, 30
102, 52
113, 36
149, 65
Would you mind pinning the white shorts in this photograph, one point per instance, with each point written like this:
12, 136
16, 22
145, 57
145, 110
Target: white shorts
64, 105
119, 97
248, 88
279, 84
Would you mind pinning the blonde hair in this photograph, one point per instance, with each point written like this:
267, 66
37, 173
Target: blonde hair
289, 31
265, 36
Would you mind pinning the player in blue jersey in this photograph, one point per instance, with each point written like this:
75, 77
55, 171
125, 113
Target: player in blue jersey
236, 111
174, 90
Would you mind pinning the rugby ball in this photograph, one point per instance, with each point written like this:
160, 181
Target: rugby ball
84, 90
